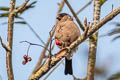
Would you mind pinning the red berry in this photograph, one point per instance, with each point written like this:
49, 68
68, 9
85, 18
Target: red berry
25, 56
24, 62
58, 43
29, 59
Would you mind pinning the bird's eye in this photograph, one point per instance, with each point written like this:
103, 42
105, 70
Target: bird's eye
58, 18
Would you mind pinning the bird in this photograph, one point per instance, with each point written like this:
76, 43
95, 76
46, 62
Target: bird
66, 32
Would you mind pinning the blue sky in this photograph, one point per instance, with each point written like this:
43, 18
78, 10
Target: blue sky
42, 19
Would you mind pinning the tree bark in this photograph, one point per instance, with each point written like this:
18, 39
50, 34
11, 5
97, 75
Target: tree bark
93, 42
10, 41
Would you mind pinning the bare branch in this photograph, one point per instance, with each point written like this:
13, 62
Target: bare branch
42, 55
60, 6
34, 32
15, 11
4, 46
87, 4
35, 44
74, 14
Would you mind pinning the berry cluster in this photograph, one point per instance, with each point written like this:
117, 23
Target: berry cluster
26, 59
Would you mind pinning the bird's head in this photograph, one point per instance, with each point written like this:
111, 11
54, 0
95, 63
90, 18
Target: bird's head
64, 17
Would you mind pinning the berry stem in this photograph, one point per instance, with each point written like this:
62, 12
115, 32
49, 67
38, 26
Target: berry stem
28, 49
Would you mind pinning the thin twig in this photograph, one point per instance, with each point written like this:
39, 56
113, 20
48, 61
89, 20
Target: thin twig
51, 40
35, 44
50, 53
38, 65
28, 49
86, 5
34, 32
15, 11
74, 14
60, 7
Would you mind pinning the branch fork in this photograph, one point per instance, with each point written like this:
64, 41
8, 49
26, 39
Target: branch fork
16, 11
6, 47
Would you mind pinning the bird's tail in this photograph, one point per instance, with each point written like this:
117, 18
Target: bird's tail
68, 66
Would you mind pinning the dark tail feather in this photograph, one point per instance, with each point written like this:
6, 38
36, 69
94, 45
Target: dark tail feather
68, 67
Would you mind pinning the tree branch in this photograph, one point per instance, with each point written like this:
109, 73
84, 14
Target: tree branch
93, 42
61, 6
4, 46
35, 44
87, 4
15, 11
74, 14
9, 41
